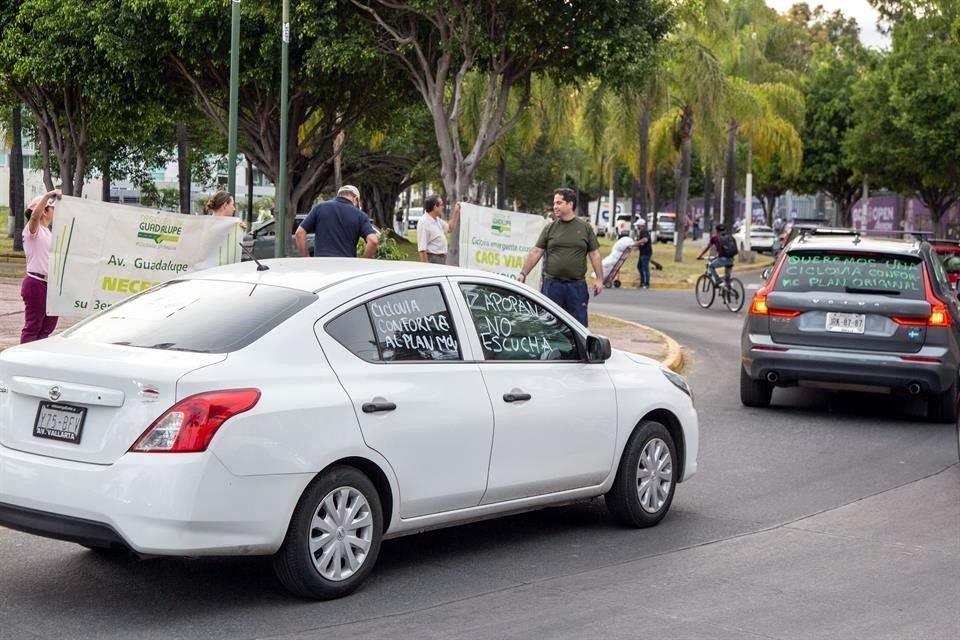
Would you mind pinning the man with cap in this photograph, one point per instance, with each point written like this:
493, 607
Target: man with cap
37, 237
645, 251
337, 225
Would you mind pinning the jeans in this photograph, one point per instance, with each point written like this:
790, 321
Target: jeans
37, 325
571, 295
726, 263
643, 265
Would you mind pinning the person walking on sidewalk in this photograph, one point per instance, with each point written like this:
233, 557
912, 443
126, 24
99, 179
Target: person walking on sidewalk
337, 225
646, 252
432, 230
568, 241
37, 238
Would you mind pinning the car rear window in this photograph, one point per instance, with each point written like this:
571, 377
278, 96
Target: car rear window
207, 316
852, 272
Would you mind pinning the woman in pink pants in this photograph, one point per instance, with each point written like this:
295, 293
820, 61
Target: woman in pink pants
37, 237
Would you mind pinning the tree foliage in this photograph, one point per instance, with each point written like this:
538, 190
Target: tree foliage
437, 43
907, 132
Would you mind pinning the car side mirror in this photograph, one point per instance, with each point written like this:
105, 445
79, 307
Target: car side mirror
598, 349
765, 274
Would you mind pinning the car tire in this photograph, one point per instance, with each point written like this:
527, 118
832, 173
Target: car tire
308, 567
646, 478
754, 393
942, 407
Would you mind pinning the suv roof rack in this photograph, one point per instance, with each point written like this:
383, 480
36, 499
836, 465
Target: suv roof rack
922, 236
827, 231
918, 235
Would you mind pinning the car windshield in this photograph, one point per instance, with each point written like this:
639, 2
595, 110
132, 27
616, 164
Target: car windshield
852, 272
208, 316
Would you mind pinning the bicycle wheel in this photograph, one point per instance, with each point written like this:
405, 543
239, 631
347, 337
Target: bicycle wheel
733, 300
705, 291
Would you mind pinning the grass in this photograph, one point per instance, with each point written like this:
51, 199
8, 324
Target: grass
7, 254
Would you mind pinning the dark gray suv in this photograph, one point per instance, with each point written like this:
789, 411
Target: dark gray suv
854, 313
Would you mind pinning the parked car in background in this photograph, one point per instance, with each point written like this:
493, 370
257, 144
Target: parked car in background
848, 312
276, 413
666, 226
949, 253
762, 239
413, 218
625, 223
261, 241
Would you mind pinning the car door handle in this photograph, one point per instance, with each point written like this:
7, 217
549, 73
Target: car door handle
377, 407
516, 397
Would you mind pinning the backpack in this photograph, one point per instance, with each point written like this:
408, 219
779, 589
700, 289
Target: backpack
728, 246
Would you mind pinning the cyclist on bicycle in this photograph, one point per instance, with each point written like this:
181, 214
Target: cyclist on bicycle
726, 248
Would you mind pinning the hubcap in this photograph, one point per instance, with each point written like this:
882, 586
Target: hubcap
654, 475
341, 533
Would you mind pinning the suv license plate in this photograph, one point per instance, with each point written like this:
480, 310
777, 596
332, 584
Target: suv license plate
62, 422
845, 322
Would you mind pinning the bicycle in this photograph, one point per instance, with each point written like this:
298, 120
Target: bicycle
731, 293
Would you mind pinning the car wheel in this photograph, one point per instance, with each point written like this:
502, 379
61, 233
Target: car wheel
754, 393
942, 407
334, 536
646, 479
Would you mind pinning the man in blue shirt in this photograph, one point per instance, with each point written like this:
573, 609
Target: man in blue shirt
337, 225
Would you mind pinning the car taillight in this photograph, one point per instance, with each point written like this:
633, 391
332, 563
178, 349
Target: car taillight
189, 425
939, 313
759, 305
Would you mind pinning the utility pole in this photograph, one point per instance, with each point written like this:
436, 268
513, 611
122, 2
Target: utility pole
280, 250
234, 97
748, 205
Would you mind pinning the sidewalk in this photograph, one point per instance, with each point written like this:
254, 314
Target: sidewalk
624, 335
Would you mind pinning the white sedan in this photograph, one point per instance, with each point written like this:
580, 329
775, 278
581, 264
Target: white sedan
762, 239
311, 410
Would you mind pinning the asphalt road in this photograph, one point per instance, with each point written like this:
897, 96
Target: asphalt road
826, 516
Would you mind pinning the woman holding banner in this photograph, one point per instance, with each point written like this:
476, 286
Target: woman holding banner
37, 238
222, 204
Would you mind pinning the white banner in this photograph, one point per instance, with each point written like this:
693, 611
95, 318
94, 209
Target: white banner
498, 241
102, 253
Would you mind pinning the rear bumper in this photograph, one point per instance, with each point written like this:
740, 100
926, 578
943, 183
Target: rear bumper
890, 371
153, 504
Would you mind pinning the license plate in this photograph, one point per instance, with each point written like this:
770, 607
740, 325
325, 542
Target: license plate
845, 322
62, 422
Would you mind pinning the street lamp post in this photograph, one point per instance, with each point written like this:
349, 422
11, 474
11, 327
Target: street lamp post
234, 97
748, 209
280, 249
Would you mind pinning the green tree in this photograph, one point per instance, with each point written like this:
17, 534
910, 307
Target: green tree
907, 114
829, 117
336, 77
438, 42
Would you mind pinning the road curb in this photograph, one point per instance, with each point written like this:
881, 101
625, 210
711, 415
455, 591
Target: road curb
674, 358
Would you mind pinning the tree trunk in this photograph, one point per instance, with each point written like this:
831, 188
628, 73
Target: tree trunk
685, 153
730, 195
45, 159
16, 177
105, 180
502, 183
644, 161
614, 188
655, 209
707, 200
183, 167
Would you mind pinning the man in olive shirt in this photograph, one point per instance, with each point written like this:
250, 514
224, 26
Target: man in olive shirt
567, 241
